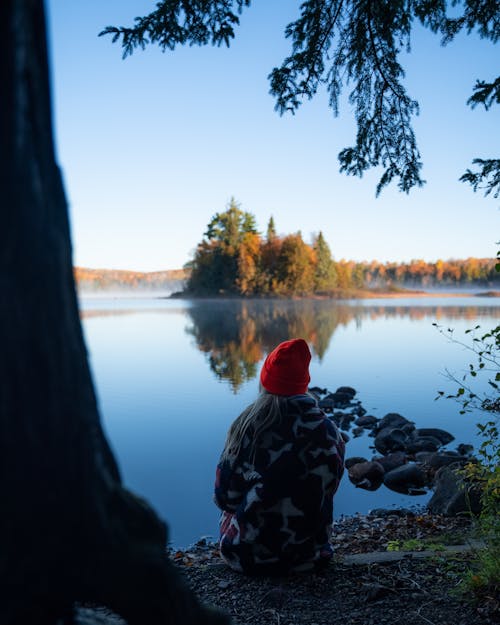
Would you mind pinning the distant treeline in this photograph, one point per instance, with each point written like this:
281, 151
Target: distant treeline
116, 280
419, 273
233, 258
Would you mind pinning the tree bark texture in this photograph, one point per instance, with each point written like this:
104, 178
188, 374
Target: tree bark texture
69, 531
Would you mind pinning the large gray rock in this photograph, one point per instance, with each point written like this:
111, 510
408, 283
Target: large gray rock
408, 479
422, 456
392, 460
442, 435
452, 495
408, 427
339, 399
443, 459
346, 390
349, 462
367, 475
416, 444
366, 421
392, 420
390, 439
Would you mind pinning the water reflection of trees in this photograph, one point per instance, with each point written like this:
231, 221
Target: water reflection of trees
236, 334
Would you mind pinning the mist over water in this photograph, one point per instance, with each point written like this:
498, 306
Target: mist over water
124, 293
171, 376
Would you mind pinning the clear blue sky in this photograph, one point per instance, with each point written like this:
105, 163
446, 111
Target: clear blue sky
152, 146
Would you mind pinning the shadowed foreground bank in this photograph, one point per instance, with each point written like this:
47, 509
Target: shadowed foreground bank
406, 591
369, 582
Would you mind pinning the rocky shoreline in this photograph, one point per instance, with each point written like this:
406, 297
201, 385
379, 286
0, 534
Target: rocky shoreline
390, 567
380, 530
407, 459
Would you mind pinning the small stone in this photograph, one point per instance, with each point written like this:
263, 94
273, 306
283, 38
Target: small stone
373, 592
223, 585
367, 421
346, 390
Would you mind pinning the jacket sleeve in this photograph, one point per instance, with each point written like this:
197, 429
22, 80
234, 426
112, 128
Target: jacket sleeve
233, 480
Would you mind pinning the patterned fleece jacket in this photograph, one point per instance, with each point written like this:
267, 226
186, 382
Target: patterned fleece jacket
277, 508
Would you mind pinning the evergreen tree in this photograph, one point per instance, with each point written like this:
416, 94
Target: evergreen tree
229, 227
226, 259
271, 230
324, 272
337, 43
269, 254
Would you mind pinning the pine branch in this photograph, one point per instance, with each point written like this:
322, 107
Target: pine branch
486, 93
487, 177
197, 22
311, 38
366, 37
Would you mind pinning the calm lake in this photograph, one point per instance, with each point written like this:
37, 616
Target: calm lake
171, 375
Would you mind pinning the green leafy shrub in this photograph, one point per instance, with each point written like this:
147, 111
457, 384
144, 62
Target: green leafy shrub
483, 578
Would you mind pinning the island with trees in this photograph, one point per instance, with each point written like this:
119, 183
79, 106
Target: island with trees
234, 259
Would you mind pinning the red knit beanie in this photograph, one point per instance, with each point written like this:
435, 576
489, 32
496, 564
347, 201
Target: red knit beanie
286, 369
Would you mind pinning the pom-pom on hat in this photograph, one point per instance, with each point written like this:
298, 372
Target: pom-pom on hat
286, 369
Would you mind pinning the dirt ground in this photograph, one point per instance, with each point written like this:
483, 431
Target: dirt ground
410, 590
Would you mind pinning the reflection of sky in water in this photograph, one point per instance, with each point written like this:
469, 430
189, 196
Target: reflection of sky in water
167, 414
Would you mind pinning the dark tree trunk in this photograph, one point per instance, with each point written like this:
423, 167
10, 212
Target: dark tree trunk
69, 530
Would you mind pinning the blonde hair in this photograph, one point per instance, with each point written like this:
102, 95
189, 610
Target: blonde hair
266, 411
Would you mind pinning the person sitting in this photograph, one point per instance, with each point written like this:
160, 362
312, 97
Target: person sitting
279, 470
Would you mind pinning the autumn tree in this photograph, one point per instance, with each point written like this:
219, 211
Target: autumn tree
337, 44
295, 267
248, 270
343, 269
225, 260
